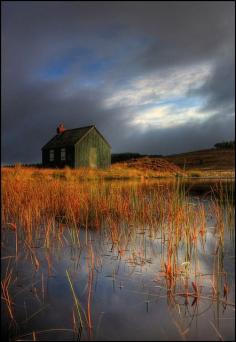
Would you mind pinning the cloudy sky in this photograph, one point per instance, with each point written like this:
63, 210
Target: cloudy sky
154, 77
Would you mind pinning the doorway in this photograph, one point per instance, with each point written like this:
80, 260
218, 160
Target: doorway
93, 157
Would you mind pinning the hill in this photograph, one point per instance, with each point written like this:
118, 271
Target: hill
218, 160
122, 157
160, 165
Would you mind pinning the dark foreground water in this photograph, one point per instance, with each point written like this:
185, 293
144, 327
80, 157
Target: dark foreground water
101, 290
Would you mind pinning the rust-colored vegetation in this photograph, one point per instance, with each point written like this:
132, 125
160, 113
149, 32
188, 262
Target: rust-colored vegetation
155, 164
46, 203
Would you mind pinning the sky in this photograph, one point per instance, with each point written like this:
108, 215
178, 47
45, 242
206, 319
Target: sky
154, 77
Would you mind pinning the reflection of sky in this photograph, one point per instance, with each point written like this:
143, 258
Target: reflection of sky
121, 290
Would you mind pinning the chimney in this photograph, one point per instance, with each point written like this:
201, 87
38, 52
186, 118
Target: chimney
60, 128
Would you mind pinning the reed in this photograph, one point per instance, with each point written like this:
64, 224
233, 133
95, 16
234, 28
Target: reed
79, 309
54, 206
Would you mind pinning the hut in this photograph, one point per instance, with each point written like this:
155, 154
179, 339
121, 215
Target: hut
78, 147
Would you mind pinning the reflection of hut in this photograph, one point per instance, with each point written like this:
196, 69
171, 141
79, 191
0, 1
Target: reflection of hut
78, 147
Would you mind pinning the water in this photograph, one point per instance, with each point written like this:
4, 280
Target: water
122, 287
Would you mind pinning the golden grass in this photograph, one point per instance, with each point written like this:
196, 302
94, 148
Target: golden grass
34, 198
200, 173
48, 194
116, 171
160, 165
41, 202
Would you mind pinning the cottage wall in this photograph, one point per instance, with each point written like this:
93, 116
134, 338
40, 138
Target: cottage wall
70, 159
92, 151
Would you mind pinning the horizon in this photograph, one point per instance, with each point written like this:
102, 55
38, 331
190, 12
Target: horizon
127, 152
154, 77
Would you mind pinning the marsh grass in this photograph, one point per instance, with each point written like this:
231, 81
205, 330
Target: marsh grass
42, 206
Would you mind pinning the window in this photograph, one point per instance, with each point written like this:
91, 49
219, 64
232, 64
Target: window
51, 155
63, 154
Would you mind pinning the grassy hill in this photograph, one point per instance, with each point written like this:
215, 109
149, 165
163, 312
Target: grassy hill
153, 164
212, 161
215, 162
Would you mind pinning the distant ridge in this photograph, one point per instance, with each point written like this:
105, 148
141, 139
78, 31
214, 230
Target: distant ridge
211, 159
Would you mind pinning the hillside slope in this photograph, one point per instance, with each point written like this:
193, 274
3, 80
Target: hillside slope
212, 159
154, 164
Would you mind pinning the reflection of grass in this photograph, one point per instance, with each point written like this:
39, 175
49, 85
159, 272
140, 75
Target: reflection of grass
5, 283
43, 207
197, 173
79, 308
84, 320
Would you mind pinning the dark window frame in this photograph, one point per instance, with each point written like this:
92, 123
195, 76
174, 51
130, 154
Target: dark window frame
63, 154
51, 155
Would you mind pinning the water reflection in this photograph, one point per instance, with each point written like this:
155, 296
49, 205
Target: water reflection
142, 286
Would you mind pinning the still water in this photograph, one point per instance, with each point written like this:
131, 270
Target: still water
99, 289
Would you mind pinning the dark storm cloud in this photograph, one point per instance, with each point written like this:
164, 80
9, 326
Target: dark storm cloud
219, 88
189, 137
62, 60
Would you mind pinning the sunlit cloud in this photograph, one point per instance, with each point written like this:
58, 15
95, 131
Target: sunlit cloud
148, 71
168, 116
159, 86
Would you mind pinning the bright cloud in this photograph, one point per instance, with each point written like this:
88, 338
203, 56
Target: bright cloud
167, 116
159, 87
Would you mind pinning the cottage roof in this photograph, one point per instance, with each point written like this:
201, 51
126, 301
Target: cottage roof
69, 137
